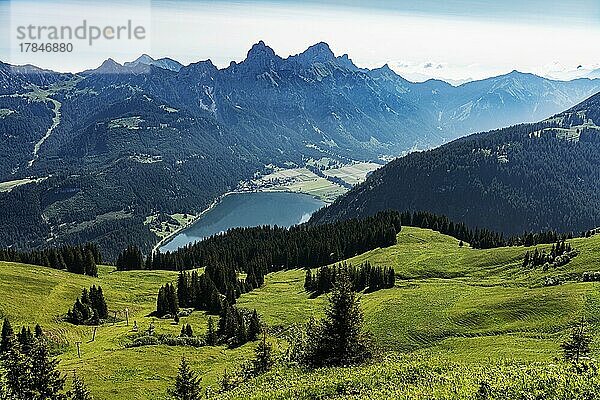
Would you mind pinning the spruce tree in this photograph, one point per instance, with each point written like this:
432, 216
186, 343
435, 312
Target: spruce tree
148, 264
183, 286
7, 335
578, 344
47, 382
79, 390
241, 330
187, 384
90, 266
263, 360
188, 331
211, 334
26, 340
308, 281
78, 266
98, 303
338, 339
343, 323
38, 332
172, 301
85, 297
161, 302
253, 326
102, 308
19, 379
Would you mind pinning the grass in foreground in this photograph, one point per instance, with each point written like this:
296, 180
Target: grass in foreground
471, 309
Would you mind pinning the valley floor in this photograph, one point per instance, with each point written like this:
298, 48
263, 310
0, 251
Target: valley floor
455, 315
332, 183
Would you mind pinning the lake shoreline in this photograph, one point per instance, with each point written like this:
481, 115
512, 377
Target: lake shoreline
167, 239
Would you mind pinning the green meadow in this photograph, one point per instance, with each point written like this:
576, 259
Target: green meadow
455, 316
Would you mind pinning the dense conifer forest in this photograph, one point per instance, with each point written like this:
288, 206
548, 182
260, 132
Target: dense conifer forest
364, 277
560, 254
90, 308
301, 246
478, 238
80, 259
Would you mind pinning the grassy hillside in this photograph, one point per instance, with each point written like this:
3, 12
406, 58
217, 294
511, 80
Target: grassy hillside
453, 309
465, 303
34, 294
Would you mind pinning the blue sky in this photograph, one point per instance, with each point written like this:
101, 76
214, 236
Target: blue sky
581, 11
454, 40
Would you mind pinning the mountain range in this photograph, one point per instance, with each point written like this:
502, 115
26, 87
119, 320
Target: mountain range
529, 177
107, 147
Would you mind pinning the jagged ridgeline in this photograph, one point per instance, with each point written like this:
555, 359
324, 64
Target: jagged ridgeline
191, 133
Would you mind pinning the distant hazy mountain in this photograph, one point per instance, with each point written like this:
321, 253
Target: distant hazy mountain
327, 102
164, 63
527, 177
120, 142
15, 79
509, 99
595, 74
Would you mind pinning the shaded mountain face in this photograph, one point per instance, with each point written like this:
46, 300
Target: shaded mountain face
310, 104
312, 100
527, 177
115, 144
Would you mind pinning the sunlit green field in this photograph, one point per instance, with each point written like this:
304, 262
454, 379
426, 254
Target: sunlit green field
35, 294
451, 306
353, 174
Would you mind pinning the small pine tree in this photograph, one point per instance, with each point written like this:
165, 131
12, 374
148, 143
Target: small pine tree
38, 332
211, 334
7, 335
47, 381
227, 382
26, 340
79, 390
578, 344
254, 326
161, 302
338, 339
90, 267
17, 368
263, 360
187, 384
308, 281
100, 305
188, 331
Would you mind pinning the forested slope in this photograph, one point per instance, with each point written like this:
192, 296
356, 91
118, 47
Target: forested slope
529, 177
